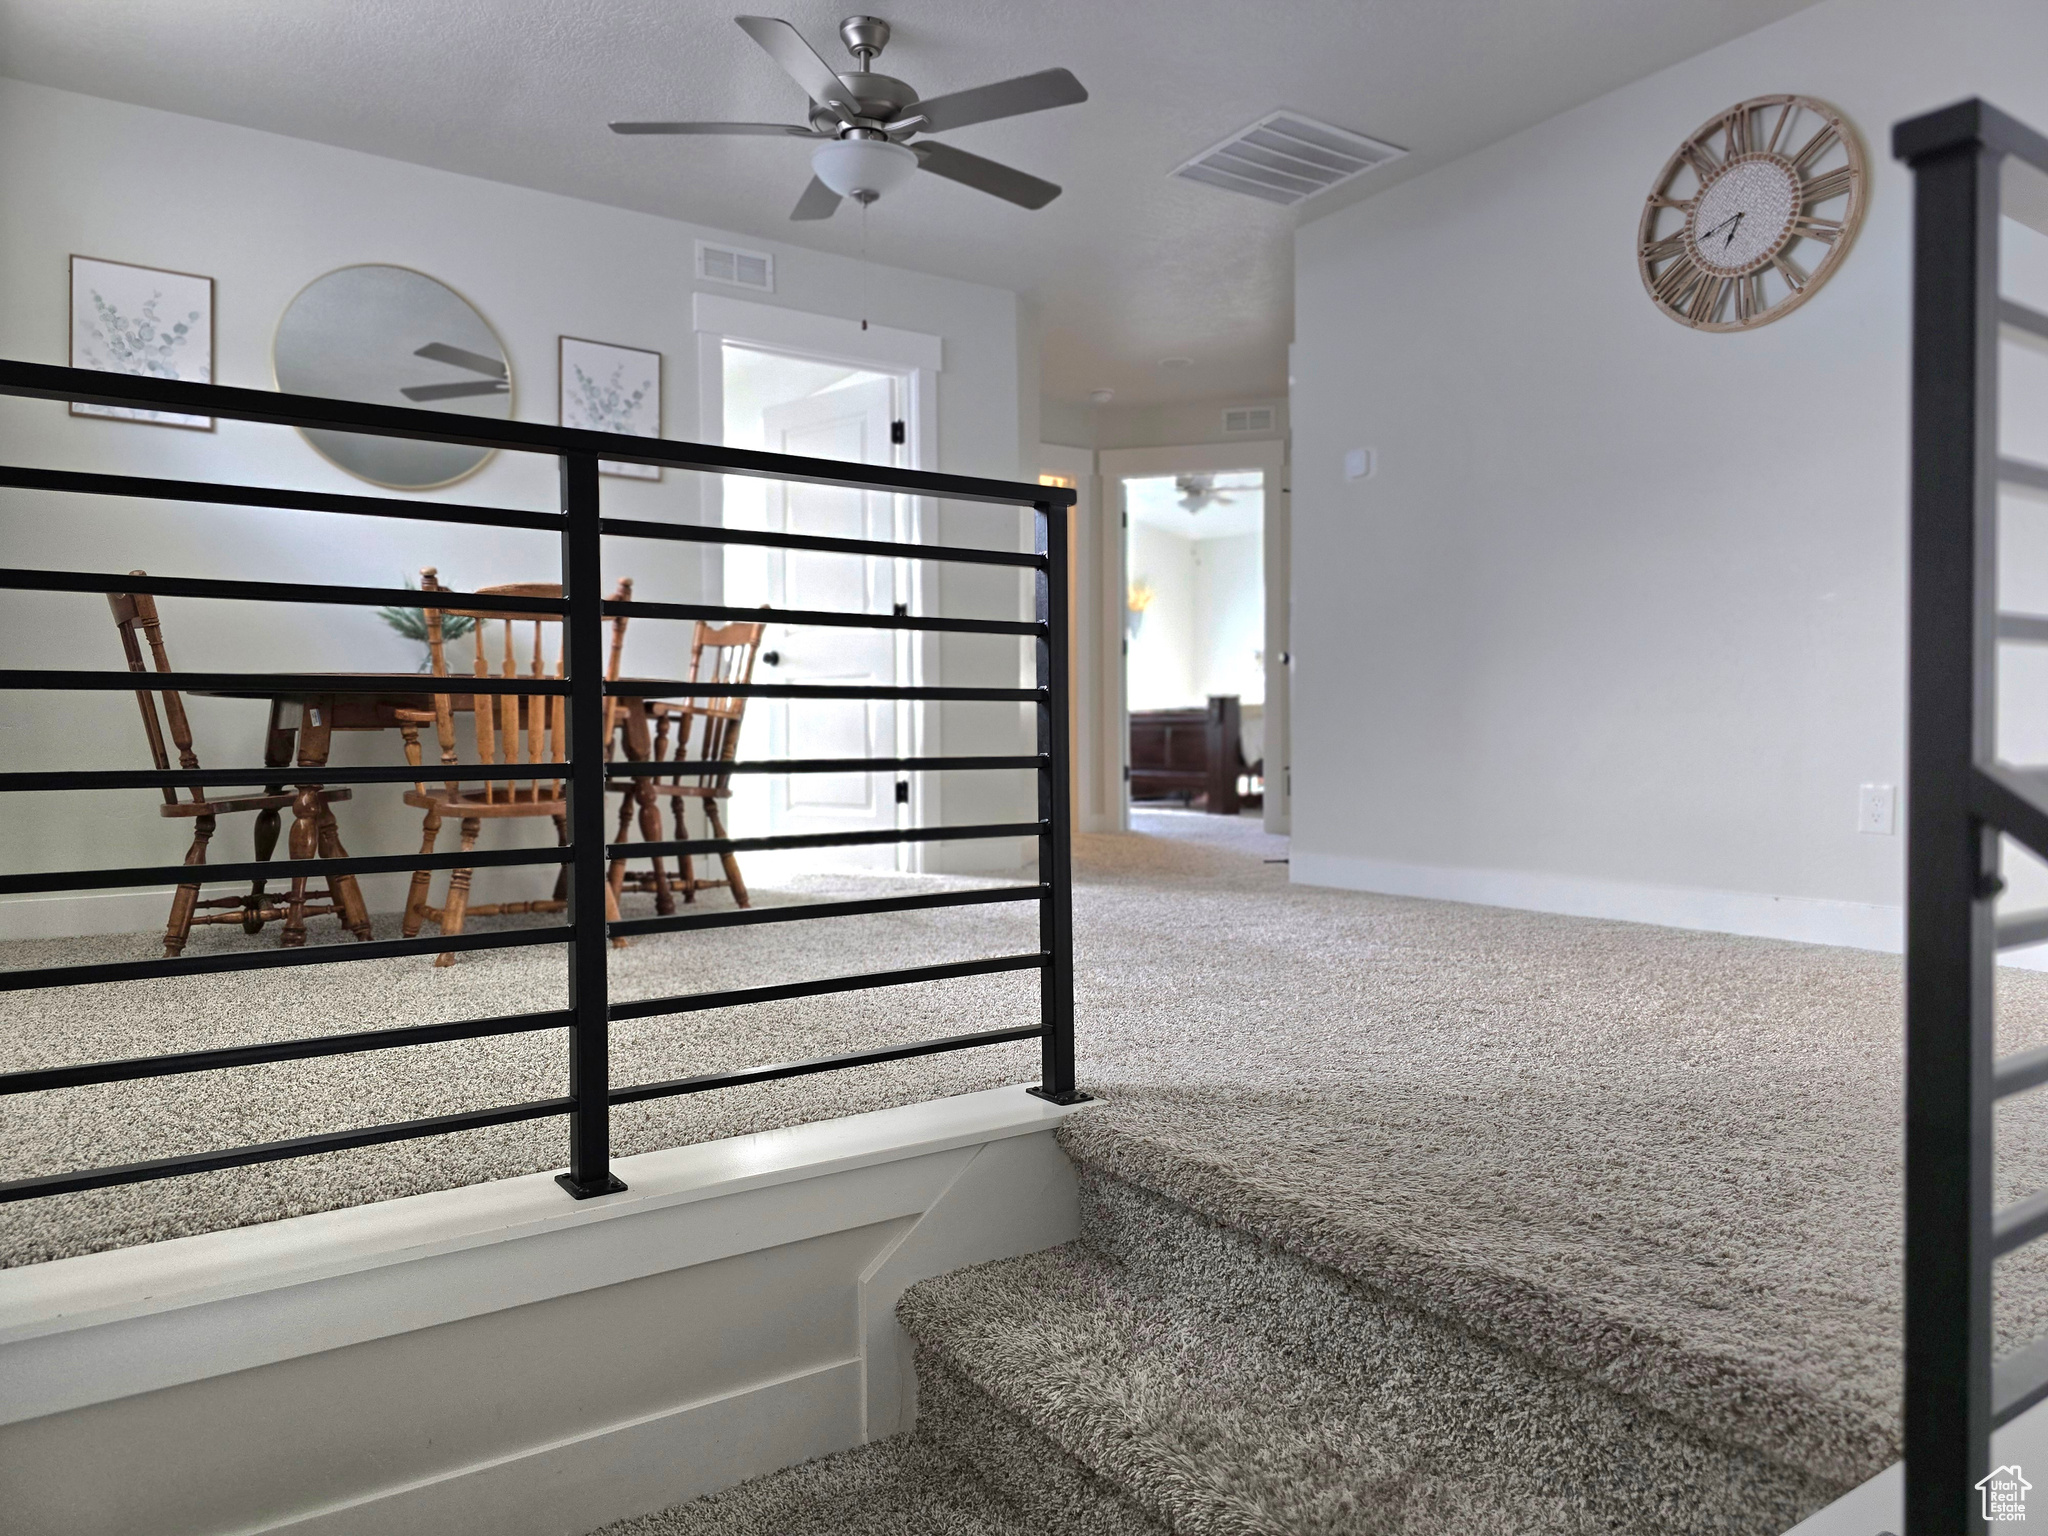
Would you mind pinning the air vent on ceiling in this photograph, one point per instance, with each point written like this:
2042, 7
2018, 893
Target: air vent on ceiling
727, 264
1248, 418
1285, 158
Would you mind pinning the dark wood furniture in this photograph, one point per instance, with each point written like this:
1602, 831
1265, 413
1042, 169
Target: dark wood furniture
525, 728
1190, 754
718, 654
313, 827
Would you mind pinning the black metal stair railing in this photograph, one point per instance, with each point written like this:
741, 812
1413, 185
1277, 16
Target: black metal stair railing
584, 610
1968, 161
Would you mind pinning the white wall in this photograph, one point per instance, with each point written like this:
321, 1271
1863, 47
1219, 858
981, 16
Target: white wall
264, 215
1618, 626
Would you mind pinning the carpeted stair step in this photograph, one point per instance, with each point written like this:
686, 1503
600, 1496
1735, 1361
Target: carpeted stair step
1209, 1382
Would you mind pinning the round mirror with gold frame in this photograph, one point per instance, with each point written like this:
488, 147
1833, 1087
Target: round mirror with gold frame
389, 335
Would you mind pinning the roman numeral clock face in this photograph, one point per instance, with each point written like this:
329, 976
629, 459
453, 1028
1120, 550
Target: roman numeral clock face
1752, 214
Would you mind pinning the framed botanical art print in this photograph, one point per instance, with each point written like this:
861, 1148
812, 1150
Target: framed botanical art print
138, 320
612, 389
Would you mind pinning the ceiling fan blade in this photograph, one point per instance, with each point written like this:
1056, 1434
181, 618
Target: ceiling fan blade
1012, 186
765, 129
1005, 98
475, 362
785, 45
818, 202
425, 392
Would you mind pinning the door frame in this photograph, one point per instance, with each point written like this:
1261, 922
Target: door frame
1115, 465
1097, 773
912, 357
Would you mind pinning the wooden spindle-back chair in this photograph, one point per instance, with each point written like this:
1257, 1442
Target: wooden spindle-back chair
135, 617
710, 725
509, 728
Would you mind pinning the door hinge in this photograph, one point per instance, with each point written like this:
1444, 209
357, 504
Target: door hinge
1127, 773
903, 791
899, 432
903, 610
1127, 519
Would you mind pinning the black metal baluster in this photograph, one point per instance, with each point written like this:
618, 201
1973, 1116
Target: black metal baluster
590, 1135
1055, 799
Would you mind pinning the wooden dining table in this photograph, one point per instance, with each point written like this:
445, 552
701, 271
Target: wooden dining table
300, 734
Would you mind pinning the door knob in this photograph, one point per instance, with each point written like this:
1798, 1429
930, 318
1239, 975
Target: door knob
771, 658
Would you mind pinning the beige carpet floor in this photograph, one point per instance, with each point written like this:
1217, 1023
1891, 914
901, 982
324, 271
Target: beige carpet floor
1667, 1159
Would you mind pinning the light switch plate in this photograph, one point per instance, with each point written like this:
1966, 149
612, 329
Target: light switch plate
1359, 463
1877, 809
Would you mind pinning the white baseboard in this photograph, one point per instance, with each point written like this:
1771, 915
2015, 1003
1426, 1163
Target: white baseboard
502, 1360
1808, 920
97, 912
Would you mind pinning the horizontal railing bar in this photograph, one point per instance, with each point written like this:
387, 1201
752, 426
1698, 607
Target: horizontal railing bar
43, 1079
2019, 1072
277, 959
275, 869
747, 917
2019, 1223
2028, 477
272, 591
2004, 797
739, 997
227, 778
265, 685
43, 780
2022, 929
640, 1092
818, 618
2018, 1382
693, 845
46, 381
2027, 323
2028, 627
675, 688
278, 1151
880, 549
76, 483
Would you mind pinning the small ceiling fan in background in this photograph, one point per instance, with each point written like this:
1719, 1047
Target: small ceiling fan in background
865, 118
1199, 491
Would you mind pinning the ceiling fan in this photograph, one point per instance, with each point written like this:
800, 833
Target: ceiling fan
864, 119
1199, 491
496, 379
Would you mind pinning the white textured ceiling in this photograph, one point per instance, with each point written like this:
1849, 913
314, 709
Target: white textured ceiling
1129, 267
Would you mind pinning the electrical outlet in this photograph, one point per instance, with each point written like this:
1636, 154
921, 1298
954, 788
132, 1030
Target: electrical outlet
1877, 809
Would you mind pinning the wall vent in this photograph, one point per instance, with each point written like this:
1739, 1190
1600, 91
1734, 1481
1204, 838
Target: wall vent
1286, 158
727, 264
1248, 418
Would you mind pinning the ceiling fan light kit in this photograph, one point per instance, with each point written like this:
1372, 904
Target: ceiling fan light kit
863, 169
866, 118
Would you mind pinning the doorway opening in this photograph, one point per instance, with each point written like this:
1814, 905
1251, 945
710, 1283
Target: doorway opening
785, 403
1195, 637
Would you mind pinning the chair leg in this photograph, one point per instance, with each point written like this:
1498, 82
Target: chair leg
615, 876
562, 841
611, 913
180, 926
422, 879
355, 914
458, 892
650, 830
267, 823
305, 842
731, 863
686, 866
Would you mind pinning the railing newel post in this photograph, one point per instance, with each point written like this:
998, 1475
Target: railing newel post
1055, 801
583, 640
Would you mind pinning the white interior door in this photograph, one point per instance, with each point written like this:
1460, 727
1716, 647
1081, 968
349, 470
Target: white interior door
850, 422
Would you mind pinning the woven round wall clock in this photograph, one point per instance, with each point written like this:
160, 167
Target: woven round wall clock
1752, 214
